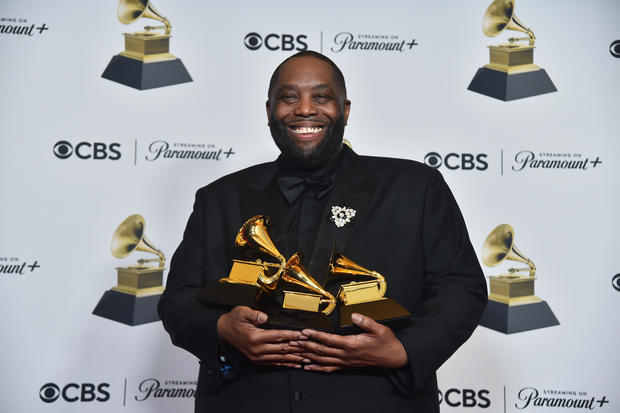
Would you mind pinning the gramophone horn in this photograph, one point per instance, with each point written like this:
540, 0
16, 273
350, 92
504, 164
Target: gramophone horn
500, 16
254, 234
499, 246
295, 274
130, 11
129, 237
339, 265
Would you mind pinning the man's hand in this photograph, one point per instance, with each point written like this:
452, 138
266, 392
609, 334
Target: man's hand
239, 328
376, 346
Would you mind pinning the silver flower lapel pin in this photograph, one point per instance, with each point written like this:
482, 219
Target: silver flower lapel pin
341, 215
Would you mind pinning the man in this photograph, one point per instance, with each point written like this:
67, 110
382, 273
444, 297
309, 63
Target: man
406, 226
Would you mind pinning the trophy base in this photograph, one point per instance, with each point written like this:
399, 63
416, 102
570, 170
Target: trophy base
228, 294
127, 308
284, 319
517, 318
385, 311
506, 86
140, 75
298, 321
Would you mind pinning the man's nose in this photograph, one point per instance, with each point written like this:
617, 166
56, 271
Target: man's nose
305, 107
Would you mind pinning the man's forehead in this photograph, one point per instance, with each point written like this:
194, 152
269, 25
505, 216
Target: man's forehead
306, 68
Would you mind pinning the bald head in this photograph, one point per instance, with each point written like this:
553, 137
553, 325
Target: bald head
337, 74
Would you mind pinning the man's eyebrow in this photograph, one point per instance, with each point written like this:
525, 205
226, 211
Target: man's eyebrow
322, 86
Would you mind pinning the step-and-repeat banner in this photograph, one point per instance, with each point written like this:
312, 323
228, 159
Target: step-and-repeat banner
108, 129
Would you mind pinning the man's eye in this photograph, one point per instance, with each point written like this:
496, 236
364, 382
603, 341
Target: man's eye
288, 97
322, 97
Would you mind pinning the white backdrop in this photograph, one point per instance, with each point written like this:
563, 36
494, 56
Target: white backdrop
61, 213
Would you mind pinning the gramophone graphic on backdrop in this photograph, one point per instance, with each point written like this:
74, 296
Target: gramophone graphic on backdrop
134, 299
146, 62
512, 305
290, 296
511, 73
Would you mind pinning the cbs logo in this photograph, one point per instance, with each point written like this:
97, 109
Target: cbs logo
465, 398
88, 150
464, 161
614, 48
73, 392
615, 282
285, 42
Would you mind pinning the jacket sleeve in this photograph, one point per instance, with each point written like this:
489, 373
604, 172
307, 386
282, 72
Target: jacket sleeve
191, 324
454, 292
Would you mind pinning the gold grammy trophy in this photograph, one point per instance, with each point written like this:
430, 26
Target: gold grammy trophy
511, 73
512, 305
283, 289
135, 297
364, 297
146, 62
247, 277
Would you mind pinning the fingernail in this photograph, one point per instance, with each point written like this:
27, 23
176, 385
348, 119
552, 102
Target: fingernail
307, 361
262, 318
356, 318
293, 343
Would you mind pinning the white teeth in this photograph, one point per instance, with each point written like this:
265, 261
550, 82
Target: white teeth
307, 130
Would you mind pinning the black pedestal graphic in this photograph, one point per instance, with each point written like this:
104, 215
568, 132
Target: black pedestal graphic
514, 319
504, 86
140, 75
128, 309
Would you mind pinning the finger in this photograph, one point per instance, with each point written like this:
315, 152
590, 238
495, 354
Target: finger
282, 348
330, 340
289, 365
321, 349
326, 360
323, 369
279, 336
280, 358
366, 323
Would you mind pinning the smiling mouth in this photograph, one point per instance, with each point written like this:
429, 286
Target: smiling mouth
304, 130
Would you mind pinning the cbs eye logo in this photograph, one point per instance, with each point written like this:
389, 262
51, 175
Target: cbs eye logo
614, 48
615, 282
49, 392
88, 150
273, 41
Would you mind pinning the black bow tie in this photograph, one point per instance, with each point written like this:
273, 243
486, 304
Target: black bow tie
292, 186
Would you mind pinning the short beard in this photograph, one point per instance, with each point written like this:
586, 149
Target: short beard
308, 159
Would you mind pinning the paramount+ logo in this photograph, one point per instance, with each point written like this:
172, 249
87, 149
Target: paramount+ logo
88, 150
273, 41
75, 392
454, 161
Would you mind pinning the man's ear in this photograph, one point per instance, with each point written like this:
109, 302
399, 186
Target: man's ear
268, 108
347, 108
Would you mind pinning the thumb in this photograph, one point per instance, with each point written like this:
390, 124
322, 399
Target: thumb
252, 316
366, 323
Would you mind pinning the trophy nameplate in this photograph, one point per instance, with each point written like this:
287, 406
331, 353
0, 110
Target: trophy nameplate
512, 305
135, 297
511, 73
146, 62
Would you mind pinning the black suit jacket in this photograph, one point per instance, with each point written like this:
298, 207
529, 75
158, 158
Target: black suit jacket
407, 227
